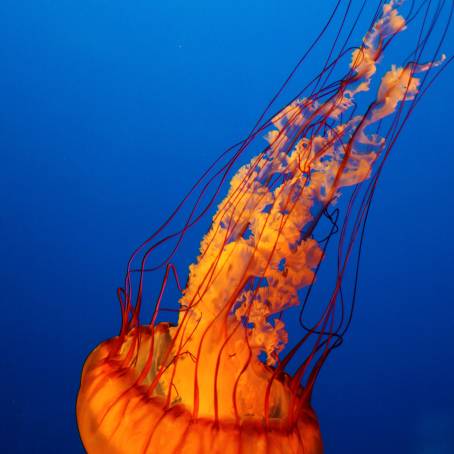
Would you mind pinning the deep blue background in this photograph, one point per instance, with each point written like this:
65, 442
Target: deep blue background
108, 111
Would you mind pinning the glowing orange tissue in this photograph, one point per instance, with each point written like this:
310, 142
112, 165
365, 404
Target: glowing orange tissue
218, 380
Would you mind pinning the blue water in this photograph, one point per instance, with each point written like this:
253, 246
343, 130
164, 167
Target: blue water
109, 110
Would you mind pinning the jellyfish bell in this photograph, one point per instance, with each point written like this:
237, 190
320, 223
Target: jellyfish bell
217, 380
118, 413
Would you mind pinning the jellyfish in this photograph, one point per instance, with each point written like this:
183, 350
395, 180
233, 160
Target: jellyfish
219, 379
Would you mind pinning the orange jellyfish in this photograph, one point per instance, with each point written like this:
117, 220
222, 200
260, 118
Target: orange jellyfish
218, 380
